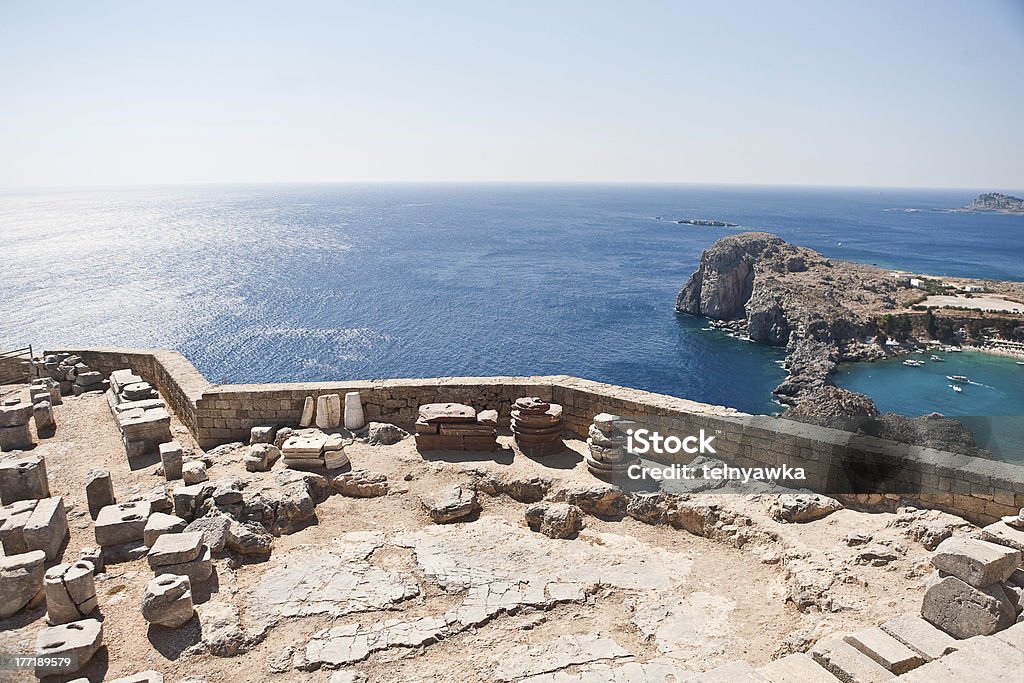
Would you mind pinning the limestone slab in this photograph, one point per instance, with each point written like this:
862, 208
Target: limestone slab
160, 523
175, 549
920, 636
977, 563
796, 668
23, 478
198, 570
21, 579
884, 649
849, 664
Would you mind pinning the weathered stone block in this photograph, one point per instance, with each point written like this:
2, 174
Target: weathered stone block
963, 611
77, 642
847, 663
198, 570
99, 490
167, 601
451, 504
12, 526
978, 563
194, 472
42, 415
796, 668
171, 460
15, 415
47, 527
21, 579
122, 523
23, 478
262, 434
175, 549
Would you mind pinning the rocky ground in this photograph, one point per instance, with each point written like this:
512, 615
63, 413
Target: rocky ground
652, 586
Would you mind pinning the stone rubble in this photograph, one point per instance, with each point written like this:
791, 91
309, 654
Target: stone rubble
141, 414
555, 520
160, 523
312, 449
360, 484
799, 508
454, 427
537, 426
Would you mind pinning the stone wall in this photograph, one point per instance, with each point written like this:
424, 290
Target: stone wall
867, 470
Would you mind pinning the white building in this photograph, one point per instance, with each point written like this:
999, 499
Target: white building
973, 288
917, 282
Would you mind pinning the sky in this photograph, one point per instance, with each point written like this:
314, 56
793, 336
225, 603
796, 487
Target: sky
867, 93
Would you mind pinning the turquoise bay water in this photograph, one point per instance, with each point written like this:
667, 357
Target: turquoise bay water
321, 282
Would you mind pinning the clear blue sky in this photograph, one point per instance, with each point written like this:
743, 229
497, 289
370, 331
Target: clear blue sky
907, 94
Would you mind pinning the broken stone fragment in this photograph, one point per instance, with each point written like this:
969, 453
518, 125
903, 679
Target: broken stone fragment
194, 472
360, 484
262, 434
555, 520
606, 502
451, 504
47, 527
802, 507
384, 434
353, 418
978, 563
308, 411
328, 411
42, 415
167, 601
249, 538
67, 648
213, 529
21, 579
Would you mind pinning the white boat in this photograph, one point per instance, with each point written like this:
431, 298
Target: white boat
957, 378
913, 363
953, 349
938, 359
1020, 362
956, 387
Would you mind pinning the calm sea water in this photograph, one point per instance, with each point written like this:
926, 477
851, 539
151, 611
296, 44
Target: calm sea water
318, 282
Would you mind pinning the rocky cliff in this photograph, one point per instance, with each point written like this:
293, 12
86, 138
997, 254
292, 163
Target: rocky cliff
821, 310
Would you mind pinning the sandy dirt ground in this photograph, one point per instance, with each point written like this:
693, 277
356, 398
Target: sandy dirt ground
653, 594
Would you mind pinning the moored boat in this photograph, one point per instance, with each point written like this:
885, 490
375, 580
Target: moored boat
910, 362
938, 359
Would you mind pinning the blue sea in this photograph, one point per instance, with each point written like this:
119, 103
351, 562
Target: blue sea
270, 283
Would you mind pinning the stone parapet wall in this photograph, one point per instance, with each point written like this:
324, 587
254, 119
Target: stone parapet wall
836, 462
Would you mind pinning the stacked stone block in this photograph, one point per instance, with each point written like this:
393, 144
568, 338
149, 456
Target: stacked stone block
455, 427
182, 554
537, 426
306, 449
141, 414
970, 596
71, 373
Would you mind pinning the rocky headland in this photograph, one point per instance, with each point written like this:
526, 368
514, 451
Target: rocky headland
996, 202
824, 312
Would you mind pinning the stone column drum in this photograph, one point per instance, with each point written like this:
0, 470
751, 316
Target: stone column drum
70, 592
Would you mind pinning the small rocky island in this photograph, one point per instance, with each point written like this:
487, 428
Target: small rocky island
706, 222
996, 202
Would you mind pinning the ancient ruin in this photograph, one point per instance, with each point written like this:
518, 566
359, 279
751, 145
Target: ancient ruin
497, 544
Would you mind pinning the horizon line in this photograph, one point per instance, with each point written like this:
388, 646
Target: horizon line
533, 183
